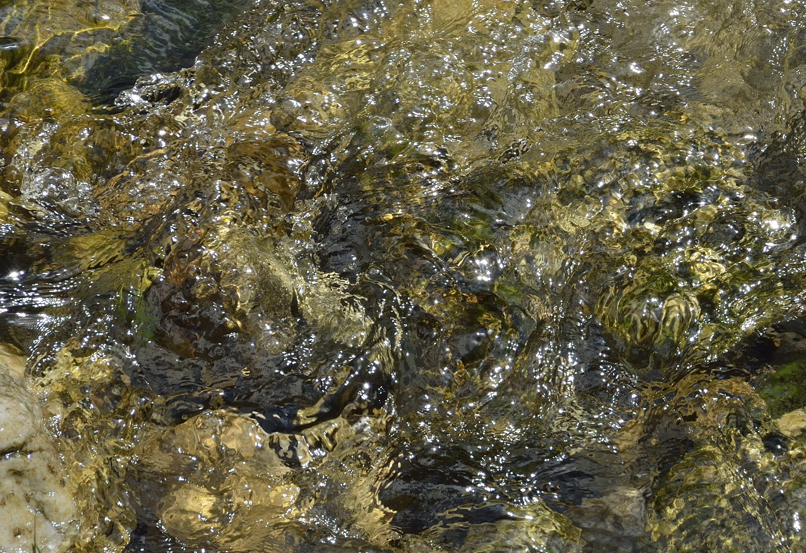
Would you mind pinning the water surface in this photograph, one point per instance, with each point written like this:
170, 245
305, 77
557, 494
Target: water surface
412, 276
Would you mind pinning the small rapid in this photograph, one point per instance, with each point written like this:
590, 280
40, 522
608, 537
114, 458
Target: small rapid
402, 276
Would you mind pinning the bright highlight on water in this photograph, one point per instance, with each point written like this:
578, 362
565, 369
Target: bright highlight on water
415, 276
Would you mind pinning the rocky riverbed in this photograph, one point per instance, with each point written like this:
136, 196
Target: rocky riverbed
402, 276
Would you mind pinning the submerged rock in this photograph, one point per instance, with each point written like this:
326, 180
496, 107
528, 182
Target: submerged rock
216, 481
419, 275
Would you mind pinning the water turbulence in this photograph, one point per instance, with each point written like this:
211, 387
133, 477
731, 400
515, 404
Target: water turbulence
381, 275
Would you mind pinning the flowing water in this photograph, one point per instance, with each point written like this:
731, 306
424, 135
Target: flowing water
405, 275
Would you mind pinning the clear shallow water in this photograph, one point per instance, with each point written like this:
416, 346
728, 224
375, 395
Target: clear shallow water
460, 276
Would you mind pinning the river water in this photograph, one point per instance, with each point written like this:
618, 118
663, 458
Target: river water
405, 275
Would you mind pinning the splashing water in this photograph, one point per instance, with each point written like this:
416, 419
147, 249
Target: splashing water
408, 276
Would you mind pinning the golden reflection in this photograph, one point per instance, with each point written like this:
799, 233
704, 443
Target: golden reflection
420, 276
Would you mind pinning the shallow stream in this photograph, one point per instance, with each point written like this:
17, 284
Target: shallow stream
403, 275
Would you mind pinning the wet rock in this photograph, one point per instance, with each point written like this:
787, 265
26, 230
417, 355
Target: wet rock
36, 494
793, 423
